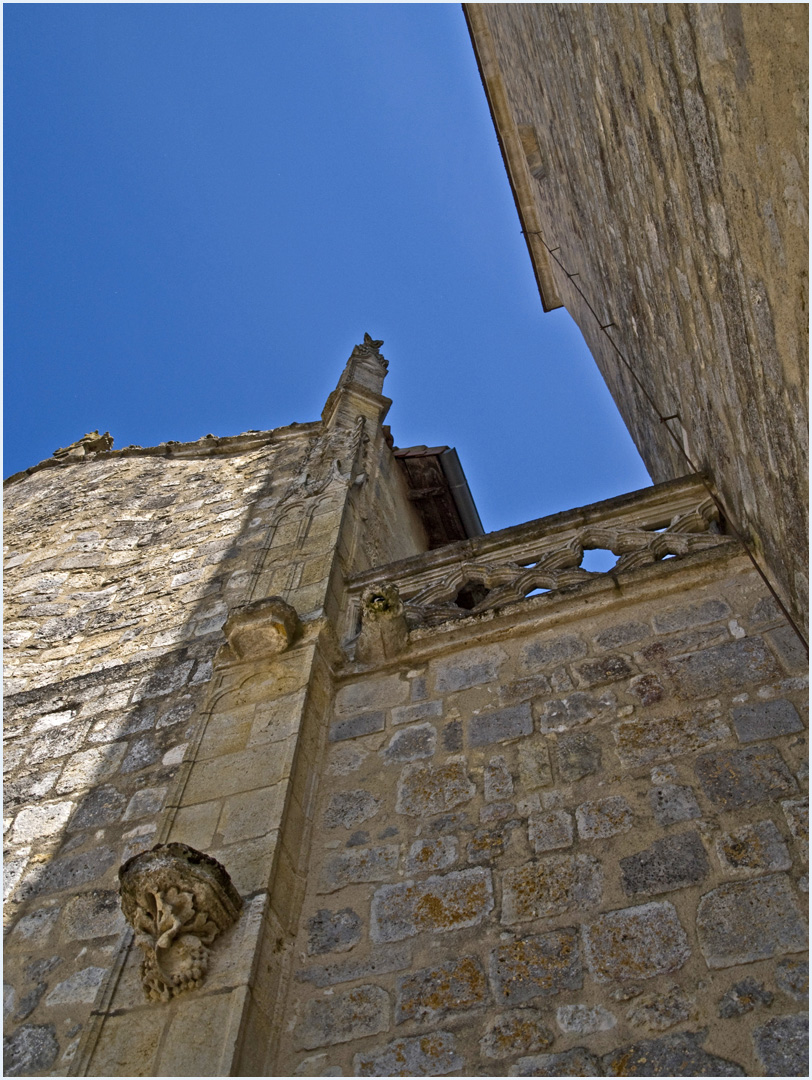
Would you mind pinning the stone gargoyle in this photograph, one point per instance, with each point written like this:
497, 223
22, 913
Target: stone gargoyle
178, 901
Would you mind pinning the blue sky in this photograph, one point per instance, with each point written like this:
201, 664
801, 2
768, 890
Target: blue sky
206, 205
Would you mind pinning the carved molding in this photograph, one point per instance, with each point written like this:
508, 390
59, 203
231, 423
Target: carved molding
92, 443
261, 628
178, 901
489, 585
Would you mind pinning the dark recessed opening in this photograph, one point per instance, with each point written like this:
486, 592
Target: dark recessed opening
471, 594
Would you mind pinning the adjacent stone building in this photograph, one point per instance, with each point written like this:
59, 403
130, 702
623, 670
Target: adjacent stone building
658, 154
414, 800
305, 775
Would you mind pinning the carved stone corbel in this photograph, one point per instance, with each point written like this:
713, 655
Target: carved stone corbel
178, 901
263, 627
384, 632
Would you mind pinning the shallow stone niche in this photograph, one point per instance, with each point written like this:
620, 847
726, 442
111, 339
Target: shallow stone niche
178, 901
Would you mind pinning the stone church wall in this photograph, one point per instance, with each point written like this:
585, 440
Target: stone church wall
479, 810
564, 838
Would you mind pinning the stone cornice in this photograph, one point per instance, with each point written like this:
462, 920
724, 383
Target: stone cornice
208, 446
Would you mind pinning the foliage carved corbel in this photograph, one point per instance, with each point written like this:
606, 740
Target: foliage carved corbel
178, 901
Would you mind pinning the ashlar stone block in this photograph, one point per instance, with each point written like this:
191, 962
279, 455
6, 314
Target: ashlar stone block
95, 914
91, 767
432, 993
549, 830
574, 710
766, 720
552, 650
659, 1012
796, 812
584, 1020
372, 694
378, 962
726, 667
472, 668
578, 755
673, 1055
423, 710
38, 822
352, 727
736, 778
72, 870
498, 780
674, 862
743, 997
348, 1015
576, 1062
753, 848
79, 988
425, 1055
349, 808
636, 943
607, 669
333, 931
650, 739
782, 1045
744, 921
486, 845
671, 803
602, 818
360, 864
29, 1050
499, 726
424, 790
687, 616
535, 770
792, 976
536, 966
426, 855
440, 903
520, 1031
550, 886
411, 744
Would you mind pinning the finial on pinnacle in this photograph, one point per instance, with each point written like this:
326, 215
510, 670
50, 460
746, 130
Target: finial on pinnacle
370, 347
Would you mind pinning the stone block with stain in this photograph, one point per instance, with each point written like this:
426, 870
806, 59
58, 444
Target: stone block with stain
551, 886
433, 993
440, 903
348, 1015
534, 966
636, 943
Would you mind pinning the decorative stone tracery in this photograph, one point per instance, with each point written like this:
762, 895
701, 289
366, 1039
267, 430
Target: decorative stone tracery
178, 901
484, 584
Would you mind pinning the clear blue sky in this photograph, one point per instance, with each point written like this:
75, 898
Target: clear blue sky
206, 205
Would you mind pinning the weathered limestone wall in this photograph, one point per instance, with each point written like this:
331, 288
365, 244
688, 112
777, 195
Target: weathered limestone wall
130, 721
120, 573
661, 151
565, 837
